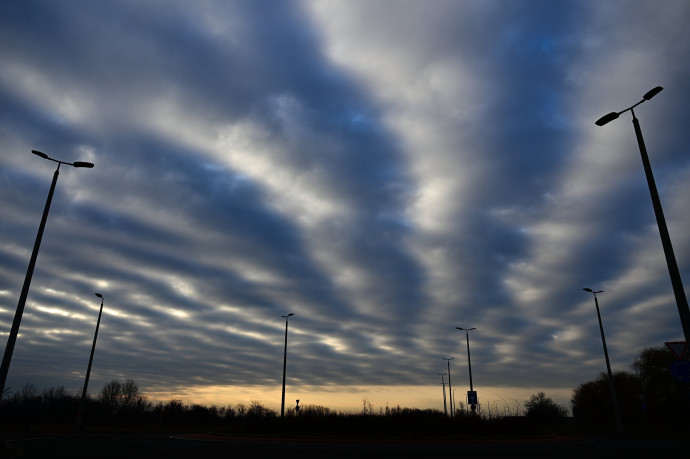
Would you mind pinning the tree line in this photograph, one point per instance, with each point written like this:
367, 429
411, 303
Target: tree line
650, 399
118, 404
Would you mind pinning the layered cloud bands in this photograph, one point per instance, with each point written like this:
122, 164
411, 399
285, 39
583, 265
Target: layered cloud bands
386, 171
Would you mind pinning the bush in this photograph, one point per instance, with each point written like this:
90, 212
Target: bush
666, 401
542, 410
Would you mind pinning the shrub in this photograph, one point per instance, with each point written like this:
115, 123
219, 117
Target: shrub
542, 410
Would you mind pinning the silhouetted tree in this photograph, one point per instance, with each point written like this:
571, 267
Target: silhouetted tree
542, 410
170, 413
649, 396
229, 413
58, 404
110, 395
122, 398
257, 410
592, 404
367, 407
312, 411
666, 400
29, 406
203, 415
131, 398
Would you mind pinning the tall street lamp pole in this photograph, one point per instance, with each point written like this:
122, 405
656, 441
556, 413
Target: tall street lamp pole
616, 409
676, 282
473, 402
282, 403
443, 383
450, 390
12, 339
82, 403
469, 361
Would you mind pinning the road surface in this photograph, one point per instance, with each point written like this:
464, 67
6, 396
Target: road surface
182, 445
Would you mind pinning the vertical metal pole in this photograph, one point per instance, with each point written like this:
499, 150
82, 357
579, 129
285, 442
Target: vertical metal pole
82, 403
616, 409
11, 340
445, 407
469, 361
282, 404
450, 391
676, 282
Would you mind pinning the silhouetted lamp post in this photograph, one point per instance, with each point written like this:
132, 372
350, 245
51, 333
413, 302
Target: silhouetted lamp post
469, 361
676, 282
11, 340
82, 403
443, 383
450, 387
616, 409
282, 403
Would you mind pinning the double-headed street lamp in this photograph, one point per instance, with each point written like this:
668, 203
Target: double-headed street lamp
450, 390
80, 415
471, 395
616, 409
676, 282
282, 403
12, 339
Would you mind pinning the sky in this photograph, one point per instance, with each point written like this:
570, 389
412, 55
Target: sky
384, 170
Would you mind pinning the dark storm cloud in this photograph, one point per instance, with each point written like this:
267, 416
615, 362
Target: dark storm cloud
154, 183
387, 171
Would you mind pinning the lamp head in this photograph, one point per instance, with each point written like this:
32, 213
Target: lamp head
652, 92
99, 295
588, 290
606, 119
82, 164
39, 153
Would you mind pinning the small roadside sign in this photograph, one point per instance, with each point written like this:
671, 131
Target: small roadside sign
471, 397
679, 348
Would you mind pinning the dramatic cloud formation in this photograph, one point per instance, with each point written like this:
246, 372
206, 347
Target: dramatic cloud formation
387, 171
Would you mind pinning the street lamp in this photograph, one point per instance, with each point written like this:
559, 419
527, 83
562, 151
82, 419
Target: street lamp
11, 340
88, 369
616, 409
443, 382
471, 395
450, 390
282, 403
676, 282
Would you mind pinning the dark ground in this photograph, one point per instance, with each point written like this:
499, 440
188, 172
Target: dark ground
208, 445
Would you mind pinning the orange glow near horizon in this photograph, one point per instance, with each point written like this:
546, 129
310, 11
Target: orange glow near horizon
350, 399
